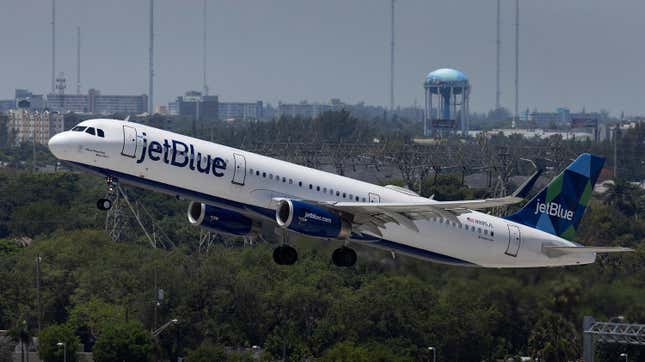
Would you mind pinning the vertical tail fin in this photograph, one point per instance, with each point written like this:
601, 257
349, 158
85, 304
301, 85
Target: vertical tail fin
559, 207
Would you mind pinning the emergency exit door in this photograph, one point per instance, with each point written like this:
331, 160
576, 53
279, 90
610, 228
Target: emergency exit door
239, 172
129, 141
514, 240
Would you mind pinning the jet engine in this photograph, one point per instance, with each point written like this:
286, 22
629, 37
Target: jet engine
311, 220
218, 219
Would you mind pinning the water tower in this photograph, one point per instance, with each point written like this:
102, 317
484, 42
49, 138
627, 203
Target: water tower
447, 93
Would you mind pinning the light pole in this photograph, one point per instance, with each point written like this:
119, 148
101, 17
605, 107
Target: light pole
434, 353
624, 355
59, 344
166, 325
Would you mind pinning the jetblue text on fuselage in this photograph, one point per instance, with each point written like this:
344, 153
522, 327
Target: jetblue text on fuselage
179, 154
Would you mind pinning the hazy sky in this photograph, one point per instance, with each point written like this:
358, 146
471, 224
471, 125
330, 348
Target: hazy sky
573, 53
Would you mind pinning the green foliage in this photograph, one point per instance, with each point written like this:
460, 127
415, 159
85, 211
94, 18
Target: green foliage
95, 315
48, 339
123, 341
554, 339
8, 247
207, 352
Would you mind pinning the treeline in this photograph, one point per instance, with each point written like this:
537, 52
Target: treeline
227, 300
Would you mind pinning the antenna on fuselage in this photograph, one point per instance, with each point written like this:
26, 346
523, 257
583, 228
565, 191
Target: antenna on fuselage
126, 118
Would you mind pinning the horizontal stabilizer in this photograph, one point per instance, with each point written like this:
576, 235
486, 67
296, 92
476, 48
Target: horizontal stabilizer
554, 251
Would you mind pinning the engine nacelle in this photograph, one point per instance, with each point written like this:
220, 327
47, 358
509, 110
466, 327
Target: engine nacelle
217, 219
311, 220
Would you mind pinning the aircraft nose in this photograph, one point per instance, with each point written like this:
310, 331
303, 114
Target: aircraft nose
57, 145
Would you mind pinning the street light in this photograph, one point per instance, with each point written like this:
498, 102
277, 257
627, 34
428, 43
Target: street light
59, 344
434, 353
624, 355
166, 325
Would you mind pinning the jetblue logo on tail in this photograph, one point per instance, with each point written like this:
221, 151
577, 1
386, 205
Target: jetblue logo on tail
553, 209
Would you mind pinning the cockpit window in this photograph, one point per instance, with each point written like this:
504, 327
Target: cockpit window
79, 128
100, 133
90, 130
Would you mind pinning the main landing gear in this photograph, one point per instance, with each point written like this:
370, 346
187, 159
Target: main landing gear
105, 203
285, 254
344, 257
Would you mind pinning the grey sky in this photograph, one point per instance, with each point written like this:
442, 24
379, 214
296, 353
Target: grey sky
573, 52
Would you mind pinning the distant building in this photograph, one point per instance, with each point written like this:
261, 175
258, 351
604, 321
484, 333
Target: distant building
95, 102
241, 110
25, 125
24, 96
196, 107
77, 103
7, 104
105, 104
303, 109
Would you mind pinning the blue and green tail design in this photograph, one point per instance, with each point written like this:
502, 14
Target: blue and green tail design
559, 207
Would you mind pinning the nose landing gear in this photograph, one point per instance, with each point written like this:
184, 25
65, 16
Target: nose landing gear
105, 203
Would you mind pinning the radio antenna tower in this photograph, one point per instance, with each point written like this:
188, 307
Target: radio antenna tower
499, 46
204, 44
517, 63
78, 60
53, 46
392, 56
150, 59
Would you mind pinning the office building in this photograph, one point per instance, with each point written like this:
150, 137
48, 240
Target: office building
241, 110
195, 106
97, 103
27, 126
303, 109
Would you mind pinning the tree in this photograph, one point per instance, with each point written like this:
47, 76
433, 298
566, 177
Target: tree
207, 352
554, 339
123, 341
48, 339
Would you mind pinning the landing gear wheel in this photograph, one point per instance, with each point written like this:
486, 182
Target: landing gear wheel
285, 255
104, 204
344, 257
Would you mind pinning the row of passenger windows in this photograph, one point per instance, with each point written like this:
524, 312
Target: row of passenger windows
90, 130
318, 188
462, 226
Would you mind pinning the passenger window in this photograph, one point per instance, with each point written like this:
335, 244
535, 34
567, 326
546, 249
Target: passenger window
351, 196
100, 133
479, 230
78, 129
317, 188
250, 171
284, 179
356, 198
492, 233
264, 174
290, 181
485, 232
364, 199
324, 190
271, 176
311, 187
257, 173
300, 183
344, 195
337, 193
90, 130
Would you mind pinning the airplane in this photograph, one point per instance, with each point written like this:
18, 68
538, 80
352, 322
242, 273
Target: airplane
236, 192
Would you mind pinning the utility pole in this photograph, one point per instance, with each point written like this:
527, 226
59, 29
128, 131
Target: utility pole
391, 57
499, 46
517, 63
204, 45
78, 60
53, 23
150, 60
38, 303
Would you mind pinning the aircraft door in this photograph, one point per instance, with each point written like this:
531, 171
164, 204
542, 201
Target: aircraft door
129, 141
374, 198
239, 172
514, 240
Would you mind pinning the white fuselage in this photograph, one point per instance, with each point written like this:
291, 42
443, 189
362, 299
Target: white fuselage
248, 183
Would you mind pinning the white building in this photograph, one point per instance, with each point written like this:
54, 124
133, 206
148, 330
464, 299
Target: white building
26, 126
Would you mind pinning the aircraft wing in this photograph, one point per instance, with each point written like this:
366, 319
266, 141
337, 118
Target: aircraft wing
371, 216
